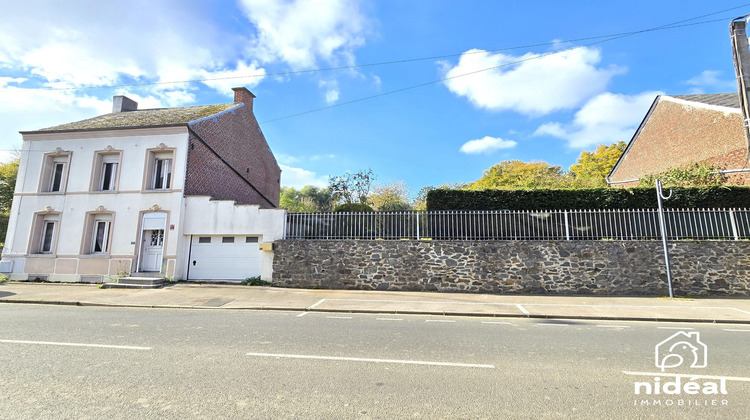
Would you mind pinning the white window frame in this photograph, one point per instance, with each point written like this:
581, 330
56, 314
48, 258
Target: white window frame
47, 241
159, 163
106, 222
113, 164
53, 176
40, 235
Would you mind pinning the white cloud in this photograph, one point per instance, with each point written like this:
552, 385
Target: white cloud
251, 75
303, 32
605, 119
710, 80
298, 177
486, 144
531, 84
332, 90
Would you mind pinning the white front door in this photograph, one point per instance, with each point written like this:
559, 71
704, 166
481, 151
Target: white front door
152, 241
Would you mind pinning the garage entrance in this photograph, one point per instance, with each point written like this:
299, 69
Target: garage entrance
224, 258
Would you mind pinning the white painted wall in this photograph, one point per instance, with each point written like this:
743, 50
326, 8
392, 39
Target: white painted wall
206, 217
126, 203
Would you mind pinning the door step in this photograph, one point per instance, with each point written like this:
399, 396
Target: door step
133, 282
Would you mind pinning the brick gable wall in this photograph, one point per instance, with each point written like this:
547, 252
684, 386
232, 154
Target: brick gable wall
677, 135
237, 140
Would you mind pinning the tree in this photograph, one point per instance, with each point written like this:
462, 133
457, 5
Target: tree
309, 199
592, 168
695, 175
352, 188
8, 175
390, 197
511, 174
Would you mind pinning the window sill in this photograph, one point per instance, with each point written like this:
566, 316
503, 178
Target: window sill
51, 192
41, 255
104, 191
158, 191
93, 256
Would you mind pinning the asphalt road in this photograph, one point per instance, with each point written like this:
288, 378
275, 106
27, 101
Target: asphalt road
88, 362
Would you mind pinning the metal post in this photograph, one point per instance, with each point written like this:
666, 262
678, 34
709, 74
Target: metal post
734, 225
567, 227
663, 225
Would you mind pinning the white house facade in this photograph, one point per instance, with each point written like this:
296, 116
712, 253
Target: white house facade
186, 193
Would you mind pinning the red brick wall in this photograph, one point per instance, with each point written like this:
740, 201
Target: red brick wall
236, 137
677, 135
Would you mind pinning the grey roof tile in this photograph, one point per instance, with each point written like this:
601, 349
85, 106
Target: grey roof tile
730, 100
143, 118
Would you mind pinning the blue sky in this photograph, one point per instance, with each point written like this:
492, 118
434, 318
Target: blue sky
433, 114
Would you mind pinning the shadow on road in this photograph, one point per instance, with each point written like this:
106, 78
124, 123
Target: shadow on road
6, 294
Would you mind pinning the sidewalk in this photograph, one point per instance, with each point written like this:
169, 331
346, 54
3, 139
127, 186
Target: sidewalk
206, 296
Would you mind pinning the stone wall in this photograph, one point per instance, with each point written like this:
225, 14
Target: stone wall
541, 267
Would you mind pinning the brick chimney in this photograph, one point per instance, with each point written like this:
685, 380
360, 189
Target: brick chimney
241, 94
121, 103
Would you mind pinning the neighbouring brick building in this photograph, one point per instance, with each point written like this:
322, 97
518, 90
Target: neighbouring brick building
685, 129
187, 193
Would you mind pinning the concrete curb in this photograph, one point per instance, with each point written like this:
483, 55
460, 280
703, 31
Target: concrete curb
376, 311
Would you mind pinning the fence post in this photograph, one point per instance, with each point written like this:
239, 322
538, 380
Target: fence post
734, 225
416, 215
567, 227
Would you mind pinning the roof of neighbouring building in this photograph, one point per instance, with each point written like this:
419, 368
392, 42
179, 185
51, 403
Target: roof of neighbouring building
143, 118
729, 100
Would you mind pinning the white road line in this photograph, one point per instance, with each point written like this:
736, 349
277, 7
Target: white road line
730, 329
613, 326
302, 314
496, 322
438, 320
51, 343
682, 375
315, 304
388, 319
358, 359
556, 325
339, 317
674, 328
522, 309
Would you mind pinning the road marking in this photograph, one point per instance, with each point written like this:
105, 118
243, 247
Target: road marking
729, 329
682, 375
522, 309
388, 319
556, 325
438, 320
315, 304
674, 328
302, 314
358, 359
339, 317
613, 326
51, 343
496, 322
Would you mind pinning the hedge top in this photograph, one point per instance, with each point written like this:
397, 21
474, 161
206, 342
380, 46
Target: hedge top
599, 198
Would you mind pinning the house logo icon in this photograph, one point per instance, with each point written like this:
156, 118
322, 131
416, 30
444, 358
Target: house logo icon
680, 349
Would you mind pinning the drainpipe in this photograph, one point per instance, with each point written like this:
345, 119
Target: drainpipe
741, 56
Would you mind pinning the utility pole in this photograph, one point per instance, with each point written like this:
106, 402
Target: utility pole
663, 225
741, 55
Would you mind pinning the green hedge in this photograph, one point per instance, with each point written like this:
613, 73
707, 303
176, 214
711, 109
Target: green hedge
353, 207
599, 198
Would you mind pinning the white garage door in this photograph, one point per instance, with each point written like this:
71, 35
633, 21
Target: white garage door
224, 258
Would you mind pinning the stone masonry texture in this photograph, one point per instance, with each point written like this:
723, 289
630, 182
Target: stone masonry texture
624, 268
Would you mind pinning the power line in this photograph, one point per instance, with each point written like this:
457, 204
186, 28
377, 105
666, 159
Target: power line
624, 35
673, 25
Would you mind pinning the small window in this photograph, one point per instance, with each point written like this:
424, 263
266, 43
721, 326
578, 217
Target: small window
227, 240
162, 174
58, 170
100, 240
54, 172
48, 233
204, 240
44, 233
251, 239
